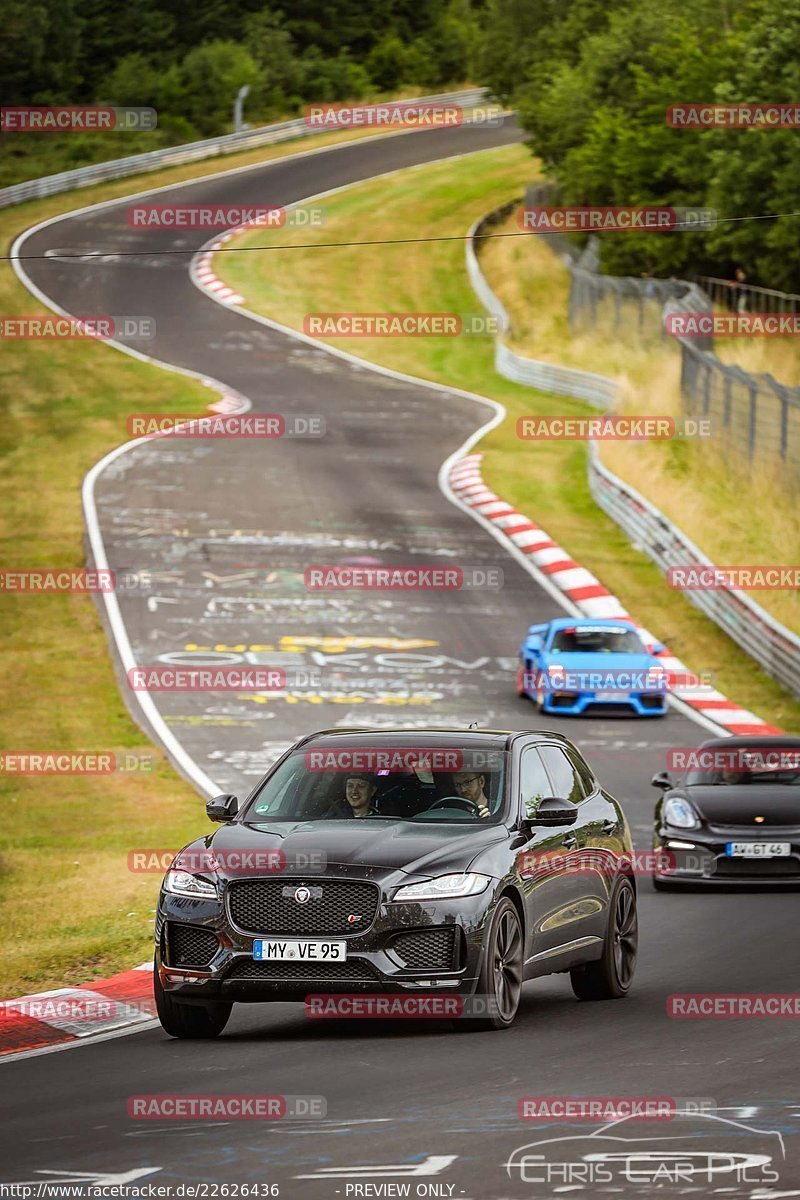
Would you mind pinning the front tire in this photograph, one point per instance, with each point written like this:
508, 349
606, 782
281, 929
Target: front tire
611, 976
188, 1020
501, 972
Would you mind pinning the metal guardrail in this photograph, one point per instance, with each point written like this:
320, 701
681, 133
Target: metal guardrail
772, 645
171, 156
729, 293
547, 377
755, 414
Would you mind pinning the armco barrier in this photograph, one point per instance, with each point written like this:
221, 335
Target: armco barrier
171, 156
548, 377
771, 644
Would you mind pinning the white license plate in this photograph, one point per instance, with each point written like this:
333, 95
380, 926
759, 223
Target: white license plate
758, 849
611, 696
305, 950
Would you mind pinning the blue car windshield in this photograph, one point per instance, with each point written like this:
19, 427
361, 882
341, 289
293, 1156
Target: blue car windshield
394, 782
597, 639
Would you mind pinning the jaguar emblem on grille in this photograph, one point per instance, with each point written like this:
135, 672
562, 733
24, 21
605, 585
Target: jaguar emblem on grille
302, 894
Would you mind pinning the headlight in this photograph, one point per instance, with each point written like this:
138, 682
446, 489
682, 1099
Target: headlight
183, 883
446, 887
679, 812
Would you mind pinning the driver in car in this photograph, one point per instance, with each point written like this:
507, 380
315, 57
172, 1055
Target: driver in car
359, 791
470, 786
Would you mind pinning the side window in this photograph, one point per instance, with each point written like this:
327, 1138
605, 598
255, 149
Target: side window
565, 782
583, 771
534, 783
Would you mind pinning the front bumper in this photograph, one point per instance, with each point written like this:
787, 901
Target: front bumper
573, 704
373, 964
704, 859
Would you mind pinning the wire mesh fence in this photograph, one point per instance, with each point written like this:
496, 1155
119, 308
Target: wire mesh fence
754, 415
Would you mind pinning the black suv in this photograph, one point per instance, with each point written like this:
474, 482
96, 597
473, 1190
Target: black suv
401, 863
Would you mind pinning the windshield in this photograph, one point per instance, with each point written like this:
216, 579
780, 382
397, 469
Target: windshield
746, 766
386, 782
597, 639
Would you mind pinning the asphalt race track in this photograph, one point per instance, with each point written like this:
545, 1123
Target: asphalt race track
227, 528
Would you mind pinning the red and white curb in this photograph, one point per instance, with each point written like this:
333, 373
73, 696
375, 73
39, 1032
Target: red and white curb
64, 1015
201, 269
201, 266
589, 596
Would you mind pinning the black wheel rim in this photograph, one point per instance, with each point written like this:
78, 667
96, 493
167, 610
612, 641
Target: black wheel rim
507, 965
625, 935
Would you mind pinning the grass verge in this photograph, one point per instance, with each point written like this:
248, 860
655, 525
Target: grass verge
736, 511
71, 909
547, 481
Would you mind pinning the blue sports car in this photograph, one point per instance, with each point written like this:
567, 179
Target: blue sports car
570, 665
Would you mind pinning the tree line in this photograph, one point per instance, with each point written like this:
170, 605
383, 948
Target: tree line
592, 81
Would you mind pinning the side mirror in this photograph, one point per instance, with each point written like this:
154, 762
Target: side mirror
552, 811
658, 648
662, 781
222, 808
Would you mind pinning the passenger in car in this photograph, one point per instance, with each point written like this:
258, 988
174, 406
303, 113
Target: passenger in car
359, 792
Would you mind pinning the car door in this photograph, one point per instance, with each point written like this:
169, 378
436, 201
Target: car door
598, 833
544, 863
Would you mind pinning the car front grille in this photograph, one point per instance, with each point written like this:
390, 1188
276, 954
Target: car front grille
754, 868
190, 946
427, 949
334, 906
353, 970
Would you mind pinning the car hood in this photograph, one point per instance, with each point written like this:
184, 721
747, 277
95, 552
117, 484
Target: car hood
732, 804
371, 848
585, 661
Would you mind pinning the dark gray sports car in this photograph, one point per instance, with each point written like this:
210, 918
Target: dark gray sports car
733, 815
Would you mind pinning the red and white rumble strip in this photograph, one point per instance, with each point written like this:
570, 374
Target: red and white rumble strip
65, 1015
589, 595
201, 268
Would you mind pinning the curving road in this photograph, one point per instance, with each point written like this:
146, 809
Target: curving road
227, 529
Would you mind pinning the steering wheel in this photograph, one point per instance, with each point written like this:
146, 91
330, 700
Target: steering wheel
455, 801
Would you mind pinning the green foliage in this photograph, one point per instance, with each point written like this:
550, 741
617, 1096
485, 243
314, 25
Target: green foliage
593, 81
189, 60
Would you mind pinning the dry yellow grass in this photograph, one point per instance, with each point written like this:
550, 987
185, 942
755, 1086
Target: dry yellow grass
735, 513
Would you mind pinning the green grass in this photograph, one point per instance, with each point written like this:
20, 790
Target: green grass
547, 480
71, 910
